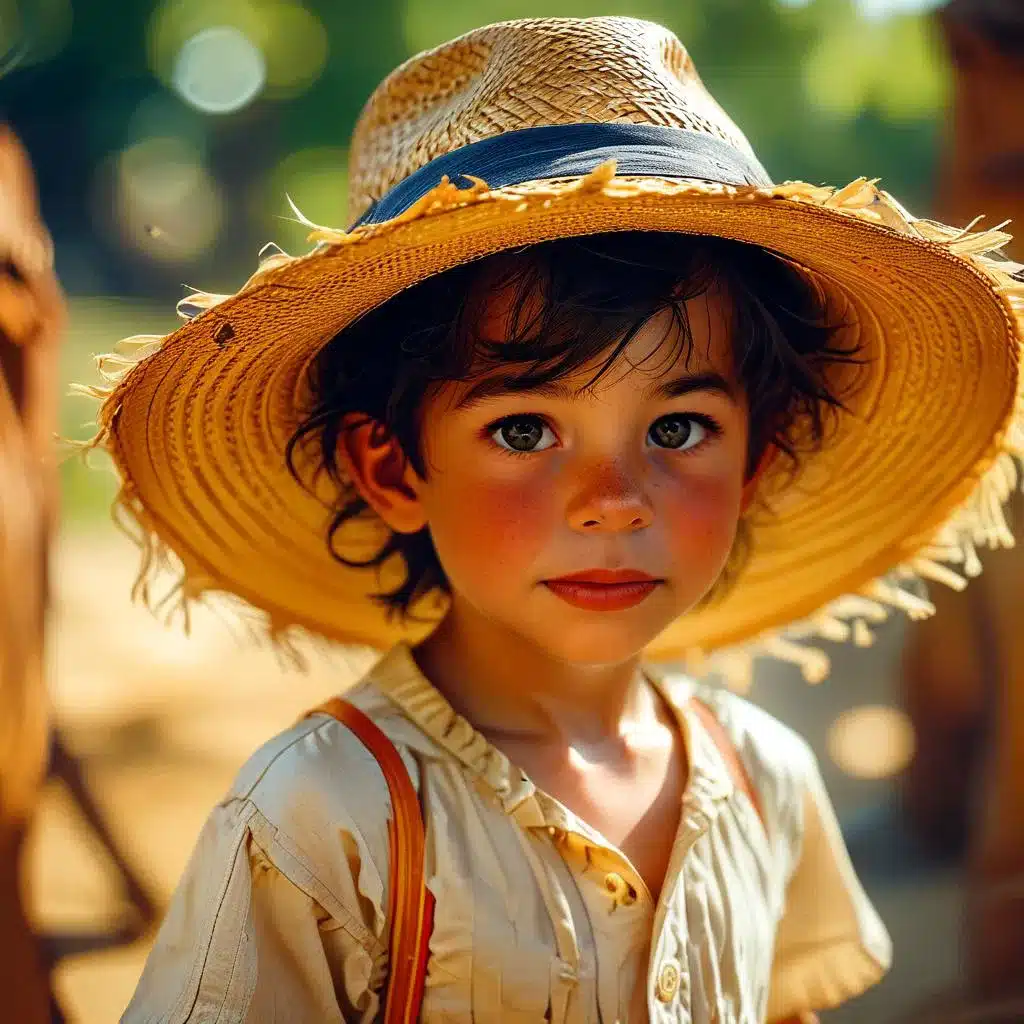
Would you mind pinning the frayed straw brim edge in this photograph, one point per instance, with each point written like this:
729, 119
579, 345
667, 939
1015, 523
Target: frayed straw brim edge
948, 556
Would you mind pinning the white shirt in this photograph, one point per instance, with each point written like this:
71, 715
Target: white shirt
281, 913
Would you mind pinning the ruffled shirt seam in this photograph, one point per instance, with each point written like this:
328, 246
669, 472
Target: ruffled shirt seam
267, 836
186, 1001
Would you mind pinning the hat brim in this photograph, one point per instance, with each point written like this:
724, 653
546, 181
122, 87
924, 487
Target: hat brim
911, 480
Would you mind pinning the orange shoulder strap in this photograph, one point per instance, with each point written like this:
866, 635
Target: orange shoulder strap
410, 902
740, 776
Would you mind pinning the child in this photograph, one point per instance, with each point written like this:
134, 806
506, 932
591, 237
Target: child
602, 396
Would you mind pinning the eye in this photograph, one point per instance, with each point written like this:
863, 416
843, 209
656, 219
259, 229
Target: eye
523, 434
677, 432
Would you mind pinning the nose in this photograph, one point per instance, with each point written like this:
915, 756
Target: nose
610, 500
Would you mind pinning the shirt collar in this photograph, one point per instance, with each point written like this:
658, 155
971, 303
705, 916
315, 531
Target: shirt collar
399, 677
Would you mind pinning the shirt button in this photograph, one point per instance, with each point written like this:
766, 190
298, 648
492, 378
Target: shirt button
669, 977
623, 892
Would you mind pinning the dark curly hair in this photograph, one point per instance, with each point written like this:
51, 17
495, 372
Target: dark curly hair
597, 292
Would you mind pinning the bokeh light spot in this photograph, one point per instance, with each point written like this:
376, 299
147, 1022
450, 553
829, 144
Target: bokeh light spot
289, 39
872, 741
166, 203
219, 70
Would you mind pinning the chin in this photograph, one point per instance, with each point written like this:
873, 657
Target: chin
606, 638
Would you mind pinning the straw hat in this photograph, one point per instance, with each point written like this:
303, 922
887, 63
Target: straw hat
532, 130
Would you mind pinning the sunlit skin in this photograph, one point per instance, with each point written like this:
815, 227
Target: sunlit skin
598, 493
556, 686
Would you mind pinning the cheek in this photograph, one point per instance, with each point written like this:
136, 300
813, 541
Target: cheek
708, 511
481, 525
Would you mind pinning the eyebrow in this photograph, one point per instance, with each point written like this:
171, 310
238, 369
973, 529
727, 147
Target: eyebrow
497, 387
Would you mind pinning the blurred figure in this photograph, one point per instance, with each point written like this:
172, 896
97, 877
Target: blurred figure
964, 670
984, 165
964, 792
31, 315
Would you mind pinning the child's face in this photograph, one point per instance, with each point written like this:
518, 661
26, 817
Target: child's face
629, 475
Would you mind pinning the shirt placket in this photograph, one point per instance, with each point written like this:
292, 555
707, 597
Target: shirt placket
669, 983
537, 826
617, 904
668, 979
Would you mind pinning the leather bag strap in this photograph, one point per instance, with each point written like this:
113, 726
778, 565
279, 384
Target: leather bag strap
410, 902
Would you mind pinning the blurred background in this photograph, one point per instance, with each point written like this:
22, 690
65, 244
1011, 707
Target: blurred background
165, 137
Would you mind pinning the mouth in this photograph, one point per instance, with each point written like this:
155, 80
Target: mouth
604, 589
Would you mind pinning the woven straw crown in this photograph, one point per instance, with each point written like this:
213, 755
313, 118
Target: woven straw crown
521, 74
454, 158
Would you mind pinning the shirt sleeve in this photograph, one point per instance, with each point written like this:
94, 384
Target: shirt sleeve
247, 940
831, 944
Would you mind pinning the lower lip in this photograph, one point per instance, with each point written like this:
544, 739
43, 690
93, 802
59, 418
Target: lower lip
602, 597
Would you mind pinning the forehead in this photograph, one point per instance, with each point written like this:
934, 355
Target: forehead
695, 336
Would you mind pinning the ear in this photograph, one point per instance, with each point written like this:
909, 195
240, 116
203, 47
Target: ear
381, 473
750, 486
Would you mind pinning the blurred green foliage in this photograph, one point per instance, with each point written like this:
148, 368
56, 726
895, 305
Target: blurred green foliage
824, 94
88, 482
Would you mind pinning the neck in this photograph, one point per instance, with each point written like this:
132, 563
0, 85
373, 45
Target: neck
507, 686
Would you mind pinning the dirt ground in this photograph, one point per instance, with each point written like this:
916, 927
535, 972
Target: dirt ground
162, 722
